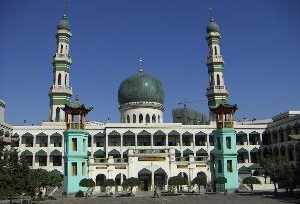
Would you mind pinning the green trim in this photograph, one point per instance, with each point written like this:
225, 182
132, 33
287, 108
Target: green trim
59, 101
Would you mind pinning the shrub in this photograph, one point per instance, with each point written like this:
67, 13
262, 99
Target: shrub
79, 194
250, 181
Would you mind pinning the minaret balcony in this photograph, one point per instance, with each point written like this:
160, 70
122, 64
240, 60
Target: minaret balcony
62, 57
61, 89
215, 59
217, 90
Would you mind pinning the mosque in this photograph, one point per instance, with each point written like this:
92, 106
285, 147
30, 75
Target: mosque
142, 145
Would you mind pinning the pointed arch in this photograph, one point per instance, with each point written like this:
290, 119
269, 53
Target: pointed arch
187, 152
134, 118
114, 153
59, 79
57, 114
218, 80
147, 118
153, 118
141, 118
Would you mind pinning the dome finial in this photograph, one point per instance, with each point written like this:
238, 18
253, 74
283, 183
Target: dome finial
141, 64
65, 7
211, 16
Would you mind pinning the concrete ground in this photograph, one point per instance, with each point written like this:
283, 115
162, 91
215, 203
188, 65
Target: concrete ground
181, 199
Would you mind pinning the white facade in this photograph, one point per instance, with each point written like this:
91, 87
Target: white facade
128, 149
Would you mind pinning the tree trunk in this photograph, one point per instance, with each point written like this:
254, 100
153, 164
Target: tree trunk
265, 179
251, 185
275, 188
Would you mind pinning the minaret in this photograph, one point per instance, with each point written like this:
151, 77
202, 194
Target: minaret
61, 91
216, 91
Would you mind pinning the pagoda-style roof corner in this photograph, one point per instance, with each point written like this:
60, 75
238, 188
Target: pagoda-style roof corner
76, 107
224, 108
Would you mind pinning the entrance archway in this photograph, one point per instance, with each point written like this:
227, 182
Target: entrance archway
160, 178
145, 177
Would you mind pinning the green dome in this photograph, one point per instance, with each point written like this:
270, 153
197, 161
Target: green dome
212, 26
141, 87
64, 23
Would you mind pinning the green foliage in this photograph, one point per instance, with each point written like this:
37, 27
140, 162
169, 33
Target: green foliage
55, 178
250, 181
177, 181
87, 183
131, 182
79, 194
280, 172
200, 181
109, 182
14, 174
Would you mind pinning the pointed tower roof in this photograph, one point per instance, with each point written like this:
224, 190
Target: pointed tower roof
64, 23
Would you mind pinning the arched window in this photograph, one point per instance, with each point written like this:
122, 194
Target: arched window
153, 119
128, 119
61, 48
215, 48
57, 114
147, 118
158, 118
59, 79
218, 80
211, 80
140, 118
134, 118
66, 79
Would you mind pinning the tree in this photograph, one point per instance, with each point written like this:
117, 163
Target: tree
131, 183
287, 178
271, 167
14, 174
250, 181
109, 183
200, 181
55, 178
87, 183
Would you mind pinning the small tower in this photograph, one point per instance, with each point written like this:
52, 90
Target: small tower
225, 151
216, 91
60, 90
75, 148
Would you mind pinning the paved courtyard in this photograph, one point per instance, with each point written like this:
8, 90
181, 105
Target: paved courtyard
188, 199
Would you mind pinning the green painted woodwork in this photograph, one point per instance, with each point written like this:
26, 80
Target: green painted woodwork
75, 157
216, 102
59, 101
141, 87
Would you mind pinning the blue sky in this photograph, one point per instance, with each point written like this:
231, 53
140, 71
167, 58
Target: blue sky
260, 46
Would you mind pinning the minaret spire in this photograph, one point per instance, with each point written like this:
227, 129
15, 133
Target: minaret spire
216, 91
61, 91
65, 7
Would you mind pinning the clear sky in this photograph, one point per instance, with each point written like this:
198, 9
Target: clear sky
260, 46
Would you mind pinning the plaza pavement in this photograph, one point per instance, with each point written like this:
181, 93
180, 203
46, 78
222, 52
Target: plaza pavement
181, 199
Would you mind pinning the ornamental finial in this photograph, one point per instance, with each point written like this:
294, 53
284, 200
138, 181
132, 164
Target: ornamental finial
65, 7
211, 17
141, 64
